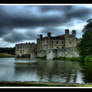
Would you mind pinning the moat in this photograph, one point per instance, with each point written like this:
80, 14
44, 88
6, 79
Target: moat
12, 69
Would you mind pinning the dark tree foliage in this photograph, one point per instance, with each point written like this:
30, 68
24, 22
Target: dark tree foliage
88, 26
8, 50
85, 45
87, 72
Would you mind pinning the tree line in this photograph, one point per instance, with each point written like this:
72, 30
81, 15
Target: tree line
8, 50
85, 45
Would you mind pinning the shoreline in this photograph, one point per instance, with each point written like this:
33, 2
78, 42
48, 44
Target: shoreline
39, 84
6, 55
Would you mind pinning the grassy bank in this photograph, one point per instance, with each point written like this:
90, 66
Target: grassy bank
88, 59
3, 55
68, 58
40, 84
63, 58
44, 58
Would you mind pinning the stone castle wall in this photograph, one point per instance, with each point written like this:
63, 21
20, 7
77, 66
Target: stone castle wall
67, 52
64, 52
50, 46
41, 53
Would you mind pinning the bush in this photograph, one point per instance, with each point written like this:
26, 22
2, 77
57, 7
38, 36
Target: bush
68, 58
44, 57
88, 59
23, 56
59, 58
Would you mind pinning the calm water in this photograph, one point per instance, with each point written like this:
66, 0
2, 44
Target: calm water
12, 69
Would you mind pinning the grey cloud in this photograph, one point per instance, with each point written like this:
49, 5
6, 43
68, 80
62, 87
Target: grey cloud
14, 37
60, 8
54, 31
33, 21
4, 31
26, 20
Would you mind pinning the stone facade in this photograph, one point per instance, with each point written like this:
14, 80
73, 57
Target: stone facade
50, 46
25, 49
64, 52
62, 43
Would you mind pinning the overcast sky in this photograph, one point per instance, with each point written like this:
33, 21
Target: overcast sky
24, 23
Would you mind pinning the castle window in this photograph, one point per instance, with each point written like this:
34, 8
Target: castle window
62, 42
57, 42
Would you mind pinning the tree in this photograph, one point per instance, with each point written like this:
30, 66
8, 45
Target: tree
85, 45
88, 26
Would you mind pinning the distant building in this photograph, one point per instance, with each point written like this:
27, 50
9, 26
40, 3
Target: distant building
25, 49
62, 41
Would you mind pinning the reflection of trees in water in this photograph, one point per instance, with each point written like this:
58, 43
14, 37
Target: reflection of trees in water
50, 70
25, 70
64, 70
45, 70
87, 72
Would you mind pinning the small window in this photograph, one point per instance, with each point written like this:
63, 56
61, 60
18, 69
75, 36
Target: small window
70, 42
57, 42
57, 47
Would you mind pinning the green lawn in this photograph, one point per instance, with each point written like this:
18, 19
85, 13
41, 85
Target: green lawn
6, 55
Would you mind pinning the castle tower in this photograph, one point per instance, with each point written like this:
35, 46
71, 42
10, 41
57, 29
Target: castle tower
49, 40
74, 33
74, 42
41, 36
66, 31
66, 38
49, 34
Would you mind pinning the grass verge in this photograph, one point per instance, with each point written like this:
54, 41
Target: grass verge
88, 59
5, 55
40, 84
68, 58
44, 58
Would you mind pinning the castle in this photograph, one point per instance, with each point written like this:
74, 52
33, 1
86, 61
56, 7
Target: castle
24, 49
49, 43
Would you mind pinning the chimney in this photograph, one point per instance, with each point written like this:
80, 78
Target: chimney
67, 31
49, 34
74, 32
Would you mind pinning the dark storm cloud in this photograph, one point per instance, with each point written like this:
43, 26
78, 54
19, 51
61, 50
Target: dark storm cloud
14, 37
70, 12
43, 16
54, 31
60, 8
34, 21
4, 31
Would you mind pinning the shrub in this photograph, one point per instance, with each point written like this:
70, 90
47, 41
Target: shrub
88, 58
44, 57
68, 58
59, 58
